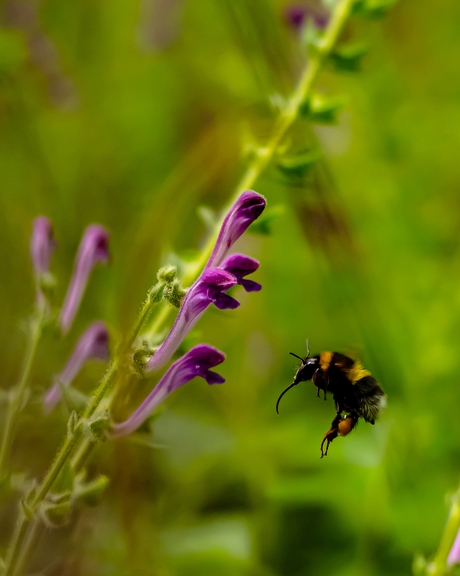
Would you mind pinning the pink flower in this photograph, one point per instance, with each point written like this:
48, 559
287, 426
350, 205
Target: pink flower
42, 244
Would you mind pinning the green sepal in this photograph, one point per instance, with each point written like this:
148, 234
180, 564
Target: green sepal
73, 423
55, 515
322, 109
348, 58
263, 224
372, 8
97, 428
299, 165
90, 493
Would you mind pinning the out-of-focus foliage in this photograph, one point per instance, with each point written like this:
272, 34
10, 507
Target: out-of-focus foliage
134, 115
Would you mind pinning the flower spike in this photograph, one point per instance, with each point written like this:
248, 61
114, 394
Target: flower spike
197, 362
93, 249
94, 343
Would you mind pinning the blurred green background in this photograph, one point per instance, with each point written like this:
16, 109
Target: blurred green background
134, 115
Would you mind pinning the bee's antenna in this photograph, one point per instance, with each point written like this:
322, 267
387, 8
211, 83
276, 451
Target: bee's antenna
308, 350
295, 355
283, 393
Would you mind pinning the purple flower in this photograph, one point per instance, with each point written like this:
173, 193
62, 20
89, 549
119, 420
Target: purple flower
246, 209
240, 266
454, 554
297, 16
42, 244
209, 289
94, 343
197, 362
92, 250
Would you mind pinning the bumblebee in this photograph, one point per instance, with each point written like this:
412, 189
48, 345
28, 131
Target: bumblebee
355, 391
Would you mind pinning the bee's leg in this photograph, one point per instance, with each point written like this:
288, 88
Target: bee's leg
331, 434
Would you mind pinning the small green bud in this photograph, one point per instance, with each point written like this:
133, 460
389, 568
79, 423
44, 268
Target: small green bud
46, 283
173, 293
167, 274
141, 356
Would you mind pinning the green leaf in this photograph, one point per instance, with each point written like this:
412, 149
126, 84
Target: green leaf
372, 8
322, 109
90, 493
348, 58
299, 165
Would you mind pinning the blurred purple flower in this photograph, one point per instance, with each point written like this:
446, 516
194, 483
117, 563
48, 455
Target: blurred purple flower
94, 343
454, 554
244, 211
209, 289
42, 244
196, 362
297, 16
92, 250
240, 266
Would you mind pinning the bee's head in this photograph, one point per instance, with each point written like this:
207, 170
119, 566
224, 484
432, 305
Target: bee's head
306, 369
304, 373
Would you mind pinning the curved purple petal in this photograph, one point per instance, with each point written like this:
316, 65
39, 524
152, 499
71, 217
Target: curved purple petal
93, 249
93, 344
240, 266
196, 362
248, 207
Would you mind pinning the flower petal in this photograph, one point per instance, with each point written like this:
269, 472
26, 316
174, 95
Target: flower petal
93, 249
248, 207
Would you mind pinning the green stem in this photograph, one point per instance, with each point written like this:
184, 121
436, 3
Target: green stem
19, 548
16, 403
439, 564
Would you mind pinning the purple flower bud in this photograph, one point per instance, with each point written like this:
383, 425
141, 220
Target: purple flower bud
454, 554
197, 362
92, 250
246, 209
240, 266
94, 343
209, 289
297, 16
42, 244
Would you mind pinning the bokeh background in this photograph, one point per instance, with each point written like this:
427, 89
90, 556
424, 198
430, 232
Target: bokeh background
135, 115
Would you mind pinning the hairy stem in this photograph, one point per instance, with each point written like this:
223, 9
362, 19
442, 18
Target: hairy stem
19, 392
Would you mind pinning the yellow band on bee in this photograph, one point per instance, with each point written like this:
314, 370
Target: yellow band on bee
325, 359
